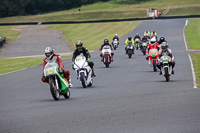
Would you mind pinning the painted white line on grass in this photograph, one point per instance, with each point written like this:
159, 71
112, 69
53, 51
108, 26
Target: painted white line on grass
191, 63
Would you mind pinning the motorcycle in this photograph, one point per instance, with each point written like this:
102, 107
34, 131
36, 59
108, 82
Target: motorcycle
153, 58
130, 49
166, 67
106, 55
115, 44
58, 84
137, 43
83, 71
143, 48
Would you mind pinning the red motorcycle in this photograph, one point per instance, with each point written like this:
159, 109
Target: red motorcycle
153, 58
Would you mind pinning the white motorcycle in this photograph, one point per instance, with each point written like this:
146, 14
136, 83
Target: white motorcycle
115, 44
166, 68
83, 70
144, 47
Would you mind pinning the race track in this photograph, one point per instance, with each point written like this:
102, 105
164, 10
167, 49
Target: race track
127, 97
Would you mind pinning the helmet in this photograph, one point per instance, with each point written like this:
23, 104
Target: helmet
116, 35
164, 46
79, 45
153, 40
154, 32
49, 52
137, 34
106, 41
129, 38
162, 39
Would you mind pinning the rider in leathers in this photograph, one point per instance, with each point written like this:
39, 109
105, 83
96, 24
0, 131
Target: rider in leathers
152, 45
106, 43
162, 39
116, 37
165, 51
126, 43
137, 36
85, 53
51, 57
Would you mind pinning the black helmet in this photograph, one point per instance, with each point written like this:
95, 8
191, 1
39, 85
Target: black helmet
79, 45
129, 38
162, 39
106, 41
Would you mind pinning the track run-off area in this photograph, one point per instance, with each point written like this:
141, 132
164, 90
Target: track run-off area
127, 97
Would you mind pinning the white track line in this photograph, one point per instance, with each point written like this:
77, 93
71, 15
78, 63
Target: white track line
191, 63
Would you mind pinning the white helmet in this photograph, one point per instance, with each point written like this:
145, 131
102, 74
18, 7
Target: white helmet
49, 52
116, 35
153, 41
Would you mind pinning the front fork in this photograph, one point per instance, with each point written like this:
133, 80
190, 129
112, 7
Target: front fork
56, 82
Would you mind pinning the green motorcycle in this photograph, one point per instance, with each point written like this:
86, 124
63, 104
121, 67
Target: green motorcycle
58, 84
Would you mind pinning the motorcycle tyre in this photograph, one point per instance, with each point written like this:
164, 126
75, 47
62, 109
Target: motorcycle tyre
167, 74
106, 63
83, 80
53, 90
154, 66
67, 95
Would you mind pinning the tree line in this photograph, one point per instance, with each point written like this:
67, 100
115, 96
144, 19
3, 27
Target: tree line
29, 7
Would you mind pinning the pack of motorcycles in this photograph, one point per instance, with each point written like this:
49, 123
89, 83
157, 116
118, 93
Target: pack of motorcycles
60, 86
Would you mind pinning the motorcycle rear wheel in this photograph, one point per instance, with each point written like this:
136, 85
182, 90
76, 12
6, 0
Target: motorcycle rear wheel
54, 91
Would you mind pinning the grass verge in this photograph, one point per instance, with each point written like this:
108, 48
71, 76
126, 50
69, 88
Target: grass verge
192, 33
196, 63
19, 63
9, 32
93, 34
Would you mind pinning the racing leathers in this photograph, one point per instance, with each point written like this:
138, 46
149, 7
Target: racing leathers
87, 55
150, 46
126, 43
56, 58
167, 52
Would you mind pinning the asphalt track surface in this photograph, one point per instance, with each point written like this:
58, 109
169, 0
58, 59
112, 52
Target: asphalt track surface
127, 97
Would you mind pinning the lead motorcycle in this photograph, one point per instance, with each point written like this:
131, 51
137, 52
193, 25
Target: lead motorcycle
153, 58
166, 67
83, 71
106, 55
58, 84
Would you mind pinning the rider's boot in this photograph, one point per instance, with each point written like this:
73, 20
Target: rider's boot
70, 84
172, 71
160, 72
93, 74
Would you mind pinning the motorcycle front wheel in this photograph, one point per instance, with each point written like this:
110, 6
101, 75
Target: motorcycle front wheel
83, 80
54, 91
167, 74
154, 66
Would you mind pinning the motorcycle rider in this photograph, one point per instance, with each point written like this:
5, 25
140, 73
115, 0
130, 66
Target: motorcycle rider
137, 36
154, 34
126, 43
147, 34
51, 57
152, 45
116, 37
165, 51
106, 43
80, 49
162, 39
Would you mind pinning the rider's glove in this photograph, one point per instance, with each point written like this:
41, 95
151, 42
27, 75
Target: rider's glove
61, 70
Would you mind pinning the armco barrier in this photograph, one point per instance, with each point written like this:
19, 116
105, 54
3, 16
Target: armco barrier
102, 21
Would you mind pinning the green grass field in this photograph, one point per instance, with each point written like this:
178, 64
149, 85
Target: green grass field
109, 10
93, 35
